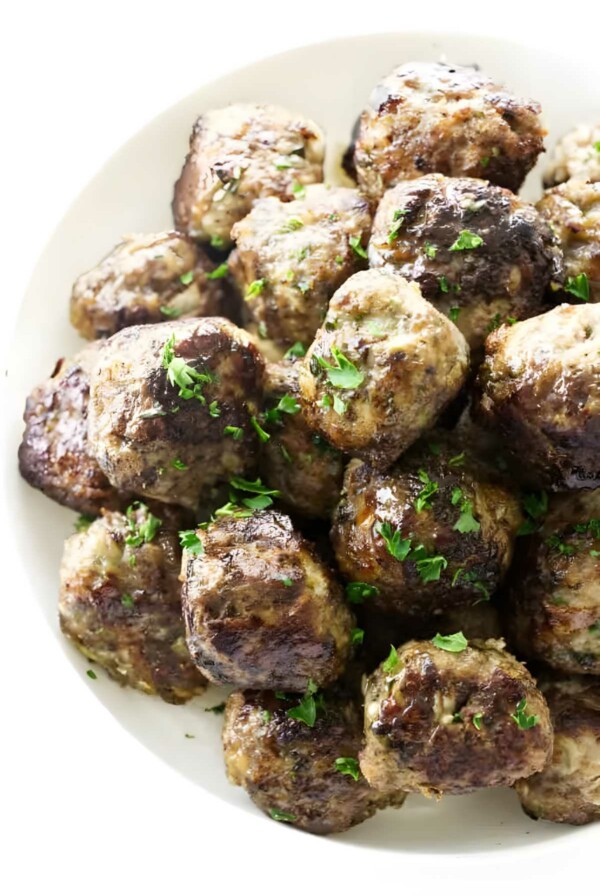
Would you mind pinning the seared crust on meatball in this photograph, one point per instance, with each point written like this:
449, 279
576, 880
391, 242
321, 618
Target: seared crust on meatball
554, 609
427, 117
55, 455
288, 768
171, 408
261, 609
145, 279
291, 257
382, 367
567, 790
238, 154
575, 155
120, 601
444, 722
478, 252
539, 387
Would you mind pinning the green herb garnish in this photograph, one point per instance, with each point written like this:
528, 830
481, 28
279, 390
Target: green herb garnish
452, 643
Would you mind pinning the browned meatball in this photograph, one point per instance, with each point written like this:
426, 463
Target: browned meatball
452, 719
291, 257
554, 611
261, 609
382, 368
433, 532
238, 154
539, 387
173, 408
577, 154
478, 252
428, 116
146, 279
568, 789
303, 774
120, 601
54, 454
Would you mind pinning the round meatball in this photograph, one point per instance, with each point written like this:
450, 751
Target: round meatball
54, 454
439, 721
539, 386
145, 279
238, 154
573, 211
431, 533
173, 408
577, 154
120, 601
478, 252
261, 609
428, 116
306, 775
568, 789
305, 469
554, 612
382, 368
291, 257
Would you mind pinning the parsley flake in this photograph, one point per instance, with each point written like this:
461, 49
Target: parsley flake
579, 287
347, 766
357, 592
279, 815
236, 433
356, 246
466, 240
255, 288
189, 540
391, 662
451, 643
343, 374
221, 271
187, 278
423, 499
521, 718
296, 350
398, 547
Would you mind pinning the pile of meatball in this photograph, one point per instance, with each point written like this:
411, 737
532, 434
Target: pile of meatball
337, 449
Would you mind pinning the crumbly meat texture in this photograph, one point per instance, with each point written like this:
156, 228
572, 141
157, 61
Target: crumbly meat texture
438, 722
55, 455
382, 368
120, 601
575, 155
261, 609
478, 252
427, 117
155, 438
292, 256
288, 768
567, 790
238, 154
539, 388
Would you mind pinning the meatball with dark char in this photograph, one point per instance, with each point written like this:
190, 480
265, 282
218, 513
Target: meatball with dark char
238, 154
261, 609
478, 252
291, 257
382, 368
306, 775
568, 789
426, 117
173, 408
539, 388
120, 601
575, 155
452, 719
554, 610
54, 455
433, 532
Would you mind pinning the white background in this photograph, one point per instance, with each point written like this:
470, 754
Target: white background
85, 808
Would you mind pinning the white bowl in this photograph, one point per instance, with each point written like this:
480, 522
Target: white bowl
330, 83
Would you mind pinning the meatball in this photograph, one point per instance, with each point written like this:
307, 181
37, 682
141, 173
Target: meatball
554, 611
173, 408
539, 386
145, 279
120, 601
426, 117
291, 257
261, 609
568, 788
431, 533
300, 464
238, 154
573, 211
452, 719
54, 454
299, 773
478, 252
382, 367
577, 154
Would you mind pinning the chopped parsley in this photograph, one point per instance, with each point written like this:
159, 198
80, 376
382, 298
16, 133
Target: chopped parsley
347, 766
296, 350
187, 278
458, 460
291, 225
217, 241
286, 581
521, 718
452, 643
391, 662
179, 373
127, 601
170, 312
430, 568
286, 405
356, 246
477, 720
579, 287
357, 592
188, 539
454, 312
262, 435
91, 674
535, 506
219, 272
278, 815
444, 285
343, 374
218, 709
430, 251
83, 522
306, 710
423, 499
357, 636
398, 547
261, 496
178, 464
466, 522
214, 410
554, 543
398, 221
255, 288
144, 532
466, 240
299, 190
